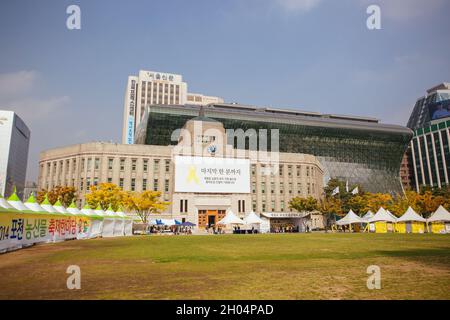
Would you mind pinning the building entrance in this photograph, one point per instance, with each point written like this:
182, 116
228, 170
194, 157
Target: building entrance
209, 218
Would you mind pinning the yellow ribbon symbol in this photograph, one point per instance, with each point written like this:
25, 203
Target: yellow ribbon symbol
192, 175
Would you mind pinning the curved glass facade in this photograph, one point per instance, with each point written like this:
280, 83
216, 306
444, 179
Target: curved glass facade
359, 150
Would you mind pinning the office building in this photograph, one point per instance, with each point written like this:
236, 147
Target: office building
14, 142
430, 121
360, 150
150, 87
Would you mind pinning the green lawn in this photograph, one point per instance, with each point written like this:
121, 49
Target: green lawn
283, 266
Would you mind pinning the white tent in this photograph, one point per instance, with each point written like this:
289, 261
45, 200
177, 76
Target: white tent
367, 216
95, 229
440, 215
411, 215
393, 216
127, 223
252, 218
73, 210
230, 218
382, 215
108, 223
349, 218
15, 202
32, 205
59, 208
4, 204
47, 206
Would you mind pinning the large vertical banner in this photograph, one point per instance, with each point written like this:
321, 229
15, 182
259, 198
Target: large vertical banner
131, 112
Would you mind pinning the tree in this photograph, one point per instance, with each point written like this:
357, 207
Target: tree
330, 207
377, 200
145, 203
106, 194
357, 203
61, 193
304, 204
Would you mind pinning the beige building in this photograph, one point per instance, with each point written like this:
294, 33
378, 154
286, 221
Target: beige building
239, 180
155, 88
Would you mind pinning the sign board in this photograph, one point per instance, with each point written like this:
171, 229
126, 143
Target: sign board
212, 175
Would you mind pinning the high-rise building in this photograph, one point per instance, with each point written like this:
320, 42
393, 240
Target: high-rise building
155, 88
430, 155
14, 142
359, 150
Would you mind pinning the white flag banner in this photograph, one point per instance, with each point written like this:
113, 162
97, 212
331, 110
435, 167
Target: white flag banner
346, 186
355, 191
335, 191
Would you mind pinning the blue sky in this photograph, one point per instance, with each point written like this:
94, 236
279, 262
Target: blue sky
314, 55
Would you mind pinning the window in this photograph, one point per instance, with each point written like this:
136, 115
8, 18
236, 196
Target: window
253, 169
299, 188
89, 163
88, 184
183, 205
156, 165
280, 169
95, 181
97, 163
155, 184
122, 164
144, 184
82, 164
290, 187
289, 171
282, 205
298, 171
121, 182
272, 187
81, 184
254, 205
264, 205
241, 206
273, 205
109, 180
263, 187
307, 171
133, 184
167, 164
110, 163
253, 187
133, 165
166, 185
145, 165
281, 187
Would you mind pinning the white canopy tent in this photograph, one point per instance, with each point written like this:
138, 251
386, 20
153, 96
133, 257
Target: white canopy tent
127, 223
32, 205
230, 218
411, 215
252, 221
108, 223
60, 208
15, 202
349, 218
440, 215
95, 229
4, 204
382, 215
369, 214
393, 216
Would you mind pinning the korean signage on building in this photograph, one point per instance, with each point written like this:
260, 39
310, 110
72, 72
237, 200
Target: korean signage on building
212, 175
131, 113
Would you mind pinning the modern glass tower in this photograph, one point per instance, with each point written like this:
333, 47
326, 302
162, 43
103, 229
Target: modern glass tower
355, 149
429, 149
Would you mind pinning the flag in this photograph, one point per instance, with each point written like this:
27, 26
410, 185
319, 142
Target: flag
346, 186
355, 191
335, 191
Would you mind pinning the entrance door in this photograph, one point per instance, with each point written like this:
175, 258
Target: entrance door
211, 220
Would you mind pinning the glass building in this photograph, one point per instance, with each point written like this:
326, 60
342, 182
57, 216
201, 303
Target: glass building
359, 150
429, 149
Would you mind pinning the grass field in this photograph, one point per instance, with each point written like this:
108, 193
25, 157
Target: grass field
283, 266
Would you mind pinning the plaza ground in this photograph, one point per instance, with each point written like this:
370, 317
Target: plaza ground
272, 266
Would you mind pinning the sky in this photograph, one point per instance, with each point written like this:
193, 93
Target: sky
314, 55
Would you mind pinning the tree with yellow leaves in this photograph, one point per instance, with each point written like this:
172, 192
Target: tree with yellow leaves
145, 203
61, 193
106, 194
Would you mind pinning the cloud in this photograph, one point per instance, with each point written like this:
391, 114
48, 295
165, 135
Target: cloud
19, 92
403, 10
16, 83
298, 5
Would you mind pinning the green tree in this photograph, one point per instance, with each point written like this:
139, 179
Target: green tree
304, 204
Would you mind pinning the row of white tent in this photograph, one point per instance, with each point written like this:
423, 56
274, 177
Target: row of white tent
251, 219
441, 215
103, 223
